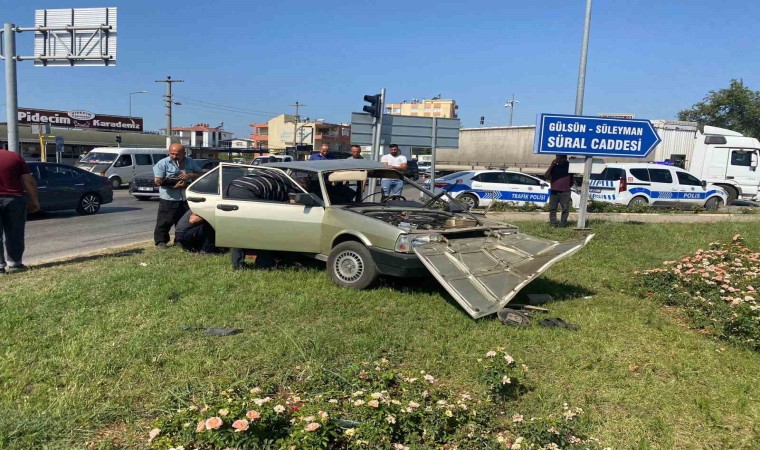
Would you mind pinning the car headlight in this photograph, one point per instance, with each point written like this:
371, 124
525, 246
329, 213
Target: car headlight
406, 242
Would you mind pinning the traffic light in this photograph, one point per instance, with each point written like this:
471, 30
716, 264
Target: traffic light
374, 105
482, 119
118, 139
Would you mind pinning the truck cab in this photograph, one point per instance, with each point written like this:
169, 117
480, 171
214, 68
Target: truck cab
728, 159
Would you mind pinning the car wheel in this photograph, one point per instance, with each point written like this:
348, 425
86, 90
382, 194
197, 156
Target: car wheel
714, 203
469, 200
115, 182
350, 265
89, 204
733, 194
638, 201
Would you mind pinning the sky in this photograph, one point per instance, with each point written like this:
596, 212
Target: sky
248, 61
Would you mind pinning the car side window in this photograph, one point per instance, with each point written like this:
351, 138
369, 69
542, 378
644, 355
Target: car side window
688, 179
518, 178
56, 174
123, 161
640, 174
660, 176
208, 184
158, 157
489, 177
143, 160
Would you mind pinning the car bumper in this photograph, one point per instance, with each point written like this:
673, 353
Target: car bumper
398, 264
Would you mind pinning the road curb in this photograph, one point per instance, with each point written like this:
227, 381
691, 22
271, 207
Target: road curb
516, 216
101, 252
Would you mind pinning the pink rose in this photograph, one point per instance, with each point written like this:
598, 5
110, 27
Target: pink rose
201, 426
253, 415
314, 426
240, 425
213, 423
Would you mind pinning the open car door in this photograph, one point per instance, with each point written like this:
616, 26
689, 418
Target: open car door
483, 274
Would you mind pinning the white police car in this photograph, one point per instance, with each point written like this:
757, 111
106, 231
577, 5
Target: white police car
653, 184
481, 187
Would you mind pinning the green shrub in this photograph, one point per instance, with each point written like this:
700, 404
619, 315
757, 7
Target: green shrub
715, 288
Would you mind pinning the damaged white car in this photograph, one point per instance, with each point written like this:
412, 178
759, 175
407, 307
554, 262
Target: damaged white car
337, 213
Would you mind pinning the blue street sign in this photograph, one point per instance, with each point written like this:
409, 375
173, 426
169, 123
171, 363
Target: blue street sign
559, 134
59, 144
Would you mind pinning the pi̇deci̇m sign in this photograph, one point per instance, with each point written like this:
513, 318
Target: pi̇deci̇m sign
79, 119
594, 136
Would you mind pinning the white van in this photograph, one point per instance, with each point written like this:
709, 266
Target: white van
121, 164
265, 159
654, 184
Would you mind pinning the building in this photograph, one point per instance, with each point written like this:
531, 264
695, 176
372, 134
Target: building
237, 143
259, 135
434, 107
283, 134
201, 135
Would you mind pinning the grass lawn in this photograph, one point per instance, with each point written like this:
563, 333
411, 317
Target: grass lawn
92, 351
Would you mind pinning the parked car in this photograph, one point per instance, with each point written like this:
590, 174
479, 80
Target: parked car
654, 184
144, 188
64, 187
481, 263
482, 187
121, 164
277, 158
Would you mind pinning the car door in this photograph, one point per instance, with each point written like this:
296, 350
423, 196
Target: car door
489, 186
742, 168
526, 189
58, 184
143, 164
690, 190
258, 224
124, 168
663, 187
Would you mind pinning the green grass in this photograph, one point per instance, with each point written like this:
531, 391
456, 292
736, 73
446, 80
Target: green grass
92, 351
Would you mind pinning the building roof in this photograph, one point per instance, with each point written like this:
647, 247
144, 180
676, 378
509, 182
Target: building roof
328, 165
199, 127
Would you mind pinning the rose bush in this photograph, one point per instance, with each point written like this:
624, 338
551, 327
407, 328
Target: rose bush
372, 405
715, 288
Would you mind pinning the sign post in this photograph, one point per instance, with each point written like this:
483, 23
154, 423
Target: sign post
560, 134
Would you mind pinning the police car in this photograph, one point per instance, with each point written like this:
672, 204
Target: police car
481, 187
653, 184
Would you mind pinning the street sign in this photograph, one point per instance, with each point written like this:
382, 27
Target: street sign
75, 37
406, 131
59, 144
594, 136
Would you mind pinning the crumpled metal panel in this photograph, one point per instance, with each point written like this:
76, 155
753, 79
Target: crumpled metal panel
483, 274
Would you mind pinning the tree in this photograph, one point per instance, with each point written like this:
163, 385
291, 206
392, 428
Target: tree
736, 108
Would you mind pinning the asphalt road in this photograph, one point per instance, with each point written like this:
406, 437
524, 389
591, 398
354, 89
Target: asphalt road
61, 234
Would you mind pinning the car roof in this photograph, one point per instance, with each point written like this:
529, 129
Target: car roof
328, 165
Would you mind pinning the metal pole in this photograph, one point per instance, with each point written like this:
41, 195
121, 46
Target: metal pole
43, 149
511, 109
372, 147
432, 154
378, 150
169, 114
582, 213
11, 88
295, 129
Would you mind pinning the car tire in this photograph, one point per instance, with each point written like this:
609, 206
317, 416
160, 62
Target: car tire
733, 194
350, 265
89, 204
115, 183
638, 201
713, 203
469, 200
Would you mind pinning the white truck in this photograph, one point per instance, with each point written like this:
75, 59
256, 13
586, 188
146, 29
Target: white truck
719, 156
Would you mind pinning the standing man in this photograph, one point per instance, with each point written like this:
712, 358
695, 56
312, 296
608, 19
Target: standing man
356, 153
393, 186
172, 174
324, 151
561, 182
15, 179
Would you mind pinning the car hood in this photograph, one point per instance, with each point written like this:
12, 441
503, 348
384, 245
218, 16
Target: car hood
94, 168
484, 274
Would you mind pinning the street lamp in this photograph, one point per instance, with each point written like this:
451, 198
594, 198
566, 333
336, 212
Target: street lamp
130, 100
511, 105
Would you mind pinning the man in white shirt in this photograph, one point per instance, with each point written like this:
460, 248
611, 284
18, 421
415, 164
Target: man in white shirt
393, 186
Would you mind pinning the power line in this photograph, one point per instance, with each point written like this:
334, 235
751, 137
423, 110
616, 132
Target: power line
218, 105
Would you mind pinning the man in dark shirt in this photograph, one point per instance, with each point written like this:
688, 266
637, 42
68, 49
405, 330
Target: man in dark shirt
561, 181
15, 180
194, 234
260, 185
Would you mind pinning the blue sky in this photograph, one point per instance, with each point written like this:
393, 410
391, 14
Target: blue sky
646, 57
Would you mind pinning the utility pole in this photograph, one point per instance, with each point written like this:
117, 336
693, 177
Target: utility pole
11, 90
580, 90
168, 96
511, 105
295, 129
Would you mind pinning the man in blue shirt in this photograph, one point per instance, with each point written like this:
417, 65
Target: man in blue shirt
324, 151
172, 174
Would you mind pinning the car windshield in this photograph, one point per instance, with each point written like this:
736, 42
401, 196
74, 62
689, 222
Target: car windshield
98, 158
453, 176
